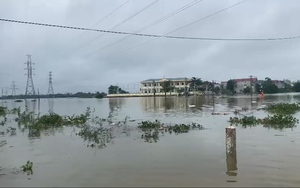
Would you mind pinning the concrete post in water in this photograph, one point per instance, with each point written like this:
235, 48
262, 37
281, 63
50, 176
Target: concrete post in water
231, 160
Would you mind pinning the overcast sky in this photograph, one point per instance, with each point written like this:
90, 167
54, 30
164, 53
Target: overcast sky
68, 53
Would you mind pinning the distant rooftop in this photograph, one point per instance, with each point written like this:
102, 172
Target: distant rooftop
170, 79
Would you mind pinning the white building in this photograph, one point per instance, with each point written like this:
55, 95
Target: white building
280, 84
241, 84
151, 85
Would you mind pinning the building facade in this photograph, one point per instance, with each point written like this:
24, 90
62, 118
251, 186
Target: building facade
155, 85
280, 84
241, 84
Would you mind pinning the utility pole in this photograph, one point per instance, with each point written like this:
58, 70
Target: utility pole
13, 88
185, 87
213, 93
50, 88
29, 86
251, 85
154, 91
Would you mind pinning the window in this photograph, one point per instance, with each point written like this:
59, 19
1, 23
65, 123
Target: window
145, 85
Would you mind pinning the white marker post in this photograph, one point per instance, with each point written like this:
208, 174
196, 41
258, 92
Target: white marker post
231, 151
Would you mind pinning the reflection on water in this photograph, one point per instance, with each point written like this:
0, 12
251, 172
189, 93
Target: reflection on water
197, 158
116, 103
51, 105
183, 104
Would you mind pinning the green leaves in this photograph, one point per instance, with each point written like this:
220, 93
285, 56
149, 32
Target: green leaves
28, 168
283, 108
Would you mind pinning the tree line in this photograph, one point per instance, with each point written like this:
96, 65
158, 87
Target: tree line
266, 86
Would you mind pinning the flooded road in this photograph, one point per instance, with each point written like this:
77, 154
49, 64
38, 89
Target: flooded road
264, 157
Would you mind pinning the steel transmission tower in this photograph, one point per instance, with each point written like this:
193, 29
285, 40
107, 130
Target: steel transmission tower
50, 88
29, 86
13, 88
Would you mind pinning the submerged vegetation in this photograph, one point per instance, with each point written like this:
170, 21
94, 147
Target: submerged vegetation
281, 118
151, 130
28, 168
283, 108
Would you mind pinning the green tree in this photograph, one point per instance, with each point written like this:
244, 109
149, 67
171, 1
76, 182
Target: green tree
258, 87
115, 90
269, 86
296, 86
195, 82
100, 95
166, 87
230, 85
288, 87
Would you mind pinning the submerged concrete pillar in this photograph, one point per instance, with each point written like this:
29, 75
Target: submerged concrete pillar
231, 160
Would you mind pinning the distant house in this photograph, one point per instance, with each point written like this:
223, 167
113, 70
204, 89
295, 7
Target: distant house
241, 84
280, 84
151, 85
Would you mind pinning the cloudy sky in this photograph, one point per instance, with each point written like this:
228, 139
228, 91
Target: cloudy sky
91, 61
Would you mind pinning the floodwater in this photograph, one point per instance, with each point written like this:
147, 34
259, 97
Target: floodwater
264, 157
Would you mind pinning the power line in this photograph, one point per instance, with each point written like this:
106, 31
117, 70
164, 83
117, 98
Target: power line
122, 22
160, 36
107, 15
150, 25
203, 18
151, 35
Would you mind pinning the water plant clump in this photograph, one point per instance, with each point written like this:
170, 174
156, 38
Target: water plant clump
283, 108
150, 125
279, 121
77, 119
152, 130
27, 168
48, 120
246, 120
3, 111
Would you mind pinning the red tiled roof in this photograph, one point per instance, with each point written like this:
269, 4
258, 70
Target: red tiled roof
244, 79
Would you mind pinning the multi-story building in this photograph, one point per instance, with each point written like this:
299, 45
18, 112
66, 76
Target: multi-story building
280, 84
151, 85
241, 84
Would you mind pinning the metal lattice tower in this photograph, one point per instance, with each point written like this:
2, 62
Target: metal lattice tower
13, 88
29, 86
50, 88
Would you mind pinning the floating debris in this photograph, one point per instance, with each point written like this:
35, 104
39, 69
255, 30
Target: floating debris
28, 168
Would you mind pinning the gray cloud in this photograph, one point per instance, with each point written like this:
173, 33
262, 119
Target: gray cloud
58, 50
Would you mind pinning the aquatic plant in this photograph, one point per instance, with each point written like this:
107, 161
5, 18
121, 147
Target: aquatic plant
48, 120
277, 121
97, 135
150, 125
28, 168
151, 136
283, 108
16, 111
180, 128
26, 118
3, 111
77, 119
246, 120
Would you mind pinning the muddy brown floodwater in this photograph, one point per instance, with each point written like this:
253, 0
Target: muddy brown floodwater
264, 157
